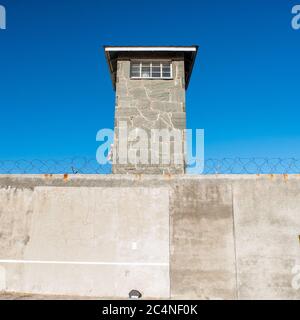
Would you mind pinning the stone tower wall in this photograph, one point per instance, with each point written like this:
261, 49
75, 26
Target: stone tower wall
150, 104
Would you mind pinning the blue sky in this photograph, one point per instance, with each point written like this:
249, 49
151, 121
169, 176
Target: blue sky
55, 90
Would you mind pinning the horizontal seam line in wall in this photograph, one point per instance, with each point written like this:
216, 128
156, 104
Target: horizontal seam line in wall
83, 263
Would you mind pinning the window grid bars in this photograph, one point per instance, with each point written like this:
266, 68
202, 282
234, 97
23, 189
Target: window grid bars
140, 76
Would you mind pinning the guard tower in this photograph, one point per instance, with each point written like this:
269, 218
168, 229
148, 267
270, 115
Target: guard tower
150, 85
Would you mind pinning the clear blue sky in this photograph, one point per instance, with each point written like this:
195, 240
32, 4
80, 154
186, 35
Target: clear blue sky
55, 90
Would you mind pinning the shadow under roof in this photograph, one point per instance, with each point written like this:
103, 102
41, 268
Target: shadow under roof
112, 54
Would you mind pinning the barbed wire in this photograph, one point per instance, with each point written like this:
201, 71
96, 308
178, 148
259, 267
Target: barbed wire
211, 166
70, 166
252, 166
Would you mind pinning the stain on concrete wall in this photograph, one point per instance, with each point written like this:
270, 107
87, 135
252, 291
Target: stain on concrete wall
16, 207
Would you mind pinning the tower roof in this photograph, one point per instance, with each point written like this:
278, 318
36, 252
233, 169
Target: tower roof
112, 54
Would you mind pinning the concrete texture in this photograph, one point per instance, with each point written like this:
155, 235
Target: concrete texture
204, 237
150, 104
267, 225
202, 259
89, 241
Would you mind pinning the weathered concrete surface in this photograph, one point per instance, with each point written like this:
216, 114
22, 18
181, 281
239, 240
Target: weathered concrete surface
119, 237
202, 259
16, 207
267, 226
226, 237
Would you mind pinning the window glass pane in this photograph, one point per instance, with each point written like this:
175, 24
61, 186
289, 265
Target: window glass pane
146, 70
135, 69
146, 73
166, 70
135, 74
156, 64
166, 75
155, 69
156, 74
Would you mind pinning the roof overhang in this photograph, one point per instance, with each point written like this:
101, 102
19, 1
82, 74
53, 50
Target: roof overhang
189, 53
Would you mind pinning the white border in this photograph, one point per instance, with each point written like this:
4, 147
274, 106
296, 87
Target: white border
188, 49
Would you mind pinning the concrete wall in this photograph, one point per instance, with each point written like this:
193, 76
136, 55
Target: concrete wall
204, 237
150, 104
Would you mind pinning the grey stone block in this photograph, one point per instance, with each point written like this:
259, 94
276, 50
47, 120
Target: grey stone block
126, 112
160, 95
138, 93
166, 106
150, 114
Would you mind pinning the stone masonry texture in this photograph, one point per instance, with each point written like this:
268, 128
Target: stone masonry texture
150, 104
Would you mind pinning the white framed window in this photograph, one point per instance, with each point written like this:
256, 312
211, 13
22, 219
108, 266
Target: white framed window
151, 70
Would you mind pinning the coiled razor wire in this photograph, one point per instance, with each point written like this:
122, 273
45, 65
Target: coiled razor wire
211, 166
65, 166
252, 166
